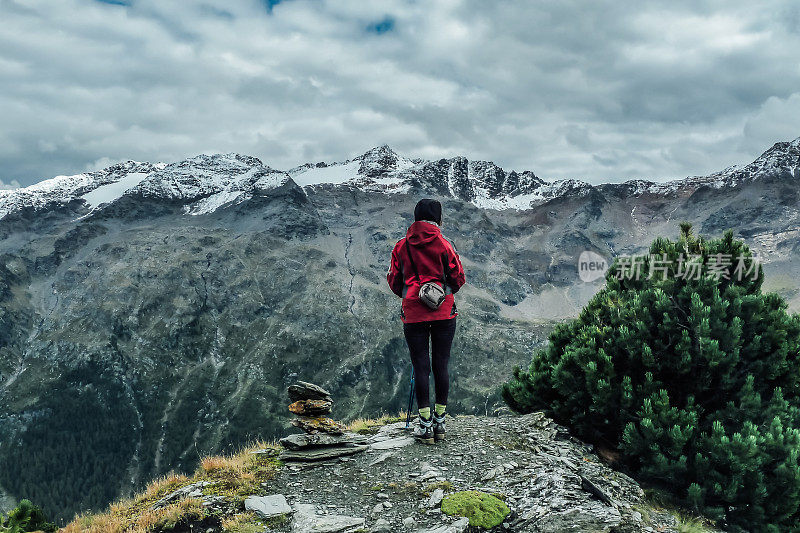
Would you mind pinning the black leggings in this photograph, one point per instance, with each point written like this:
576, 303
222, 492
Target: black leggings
440, 333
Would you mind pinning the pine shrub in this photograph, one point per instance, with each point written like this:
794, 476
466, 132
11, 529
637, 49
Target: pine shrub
695, 380
26, 517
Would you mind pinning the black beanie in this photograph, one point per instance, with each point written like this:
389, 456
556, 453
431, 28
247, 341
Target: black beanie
428, 209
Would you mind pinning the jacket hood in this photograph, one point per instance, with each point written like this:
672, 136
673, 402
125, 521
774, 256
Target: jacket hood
422, 232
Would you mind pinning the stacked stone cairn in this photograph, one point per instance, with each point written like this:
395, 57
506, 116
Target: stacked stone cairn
323, 438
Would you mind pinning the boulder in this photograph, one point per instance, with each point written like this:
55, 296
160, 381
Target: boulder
310, 407
308, 391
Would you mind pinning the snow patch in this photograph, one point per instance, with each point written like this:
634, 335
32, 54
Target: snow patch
336, 173
214, 202
105, 194
520, 202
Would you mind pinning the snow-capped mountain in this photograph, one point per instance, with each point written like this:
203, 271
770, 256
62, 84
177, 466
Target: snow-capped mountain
202, 184
205, 183
482, 183
63, 189
782, 157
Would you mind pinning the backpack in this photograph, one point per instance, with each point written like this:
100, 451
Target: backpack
430, 292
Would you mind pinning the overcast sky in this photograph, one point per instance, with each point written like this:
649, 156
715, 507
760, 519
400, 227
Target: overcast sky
595, 90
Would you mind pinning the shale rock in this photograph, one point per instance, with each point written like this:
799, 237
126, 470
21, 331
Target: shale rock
459, 526
310, 407
303, 390
299, 441
381, 526
306, 520
322, 454
268, 506
316, 424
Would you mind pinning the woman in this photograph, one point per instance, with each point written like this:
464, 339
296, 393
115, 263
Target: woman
423, 256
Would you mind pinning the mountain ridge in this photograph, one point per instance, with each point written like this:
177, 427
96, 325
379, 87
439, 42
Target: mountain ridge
205, 183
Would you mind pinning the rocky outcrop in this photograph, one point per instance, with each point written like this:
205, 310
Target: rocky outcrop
549, 481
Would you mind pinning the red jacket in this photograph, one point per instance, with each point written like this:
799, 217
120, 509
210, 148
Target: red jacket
434, 256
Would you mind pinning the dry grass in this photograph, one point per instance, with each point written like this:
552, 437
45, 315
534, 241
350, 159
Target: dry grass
687, 522
366, 426
242, 523
144, 521
233, 477
446, 486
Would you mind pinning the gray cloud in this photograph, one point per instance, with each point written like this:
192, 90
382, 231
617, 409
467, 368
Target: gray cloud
602, 91
7, 186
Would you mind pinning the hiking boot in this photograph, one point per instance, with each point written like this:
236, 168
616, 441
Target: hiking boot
424, 433
439, 429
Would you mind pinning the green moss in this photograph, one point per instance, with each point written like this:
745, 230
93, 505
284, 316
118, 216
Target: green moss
483, 510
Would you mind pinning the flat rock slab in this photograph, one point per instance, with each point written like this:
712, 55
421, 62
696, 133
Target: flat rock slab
391, 444
269, 452
381, 458
394, 429
303, 390
268, 506
322, 454
435, 499
300, 441
306, 520
593, 516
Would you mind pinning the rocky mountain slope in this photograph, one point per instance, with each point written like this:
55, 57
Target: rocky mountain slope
150, 313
